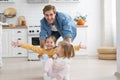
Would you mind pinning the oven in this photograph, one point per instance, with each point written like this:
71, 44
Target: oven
33, 38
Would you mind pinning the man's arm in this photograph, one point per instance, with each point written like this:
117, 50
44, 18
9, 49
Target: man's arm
42, 42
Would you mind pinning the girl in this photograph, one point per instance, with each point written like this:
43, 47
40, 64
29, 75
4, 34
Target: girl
59, 64
59, 68
50, 44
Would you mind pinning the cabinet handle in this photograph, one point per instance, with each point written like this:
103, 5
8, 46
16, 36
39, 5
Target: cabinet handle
19, 38
19, 53
18, 46
18, 31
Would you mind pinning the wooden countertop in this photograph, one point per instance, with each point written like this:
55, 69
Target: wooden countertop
82, 26
16, 27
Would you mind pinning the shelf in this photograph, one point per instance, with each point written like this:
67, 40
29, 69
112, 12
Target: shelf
6, 2
82, 26
9, 1
71, 1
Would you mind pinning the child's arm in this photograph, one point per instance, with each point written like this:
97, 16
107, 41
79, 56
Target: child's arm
16, 43
64, 71
80, 46
27, 46
58, 66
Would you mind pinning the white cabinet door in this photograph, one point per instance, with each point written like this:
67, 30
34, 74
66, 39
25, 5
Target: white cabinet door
21, 35
5, 41
10, 35
81, 37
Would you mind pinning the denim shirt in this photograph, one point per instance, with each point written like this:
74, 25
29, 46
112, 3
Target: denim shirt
64, 24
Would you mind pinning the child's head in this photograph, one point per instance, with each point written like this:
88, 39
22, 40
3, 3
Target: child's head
65, 49
50, 42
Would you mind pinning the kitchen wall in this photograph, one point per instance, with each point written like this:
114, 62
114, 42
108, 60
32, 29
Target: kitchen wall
0, 45
118, 37
33, 14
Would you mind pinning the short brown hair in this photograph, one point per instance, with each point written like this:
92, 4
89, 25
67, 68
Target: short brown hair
52, 37
68, 49
49, 7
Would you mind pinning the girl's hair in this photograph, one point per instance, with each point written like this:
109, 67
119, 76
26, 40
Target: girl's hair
49, 7
67, 48
52, 37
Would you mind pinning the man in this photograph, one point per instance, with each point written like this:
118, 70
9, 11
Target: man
56, 24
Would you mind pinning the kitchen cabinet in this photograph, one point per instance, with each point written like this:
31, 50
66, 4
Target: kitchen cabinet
80, 37
7, 0
10, 35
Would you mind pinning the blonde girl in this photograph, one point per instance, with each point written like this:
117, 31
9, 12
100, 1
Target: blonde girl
59, 68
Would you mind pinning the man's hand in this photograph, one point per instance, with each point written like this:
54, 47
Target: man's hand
68, 40
42, 42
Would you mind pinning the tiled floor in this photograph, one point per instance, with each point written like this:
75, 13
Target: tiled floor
82, 68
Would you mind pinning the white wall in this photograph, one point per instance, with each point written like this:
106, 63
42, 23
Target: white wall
0, 45
118, 37
33, 14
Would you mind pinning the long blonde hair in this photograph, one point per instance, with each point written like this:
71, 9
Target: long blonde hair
68, 49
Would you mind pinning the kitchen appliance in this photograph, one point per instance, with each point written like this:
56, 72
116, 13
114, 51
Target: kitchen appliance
33, 38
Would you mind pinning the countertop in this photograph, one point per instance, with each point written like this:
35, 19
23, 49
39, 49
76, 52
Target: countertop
16, 27
82, 26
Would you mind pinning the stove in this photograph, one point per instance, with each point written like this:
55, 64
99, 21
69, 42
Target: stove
33, 30
33, 38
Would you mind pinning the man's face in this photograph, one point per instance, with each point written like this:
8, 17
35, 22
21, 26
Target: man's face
50, 16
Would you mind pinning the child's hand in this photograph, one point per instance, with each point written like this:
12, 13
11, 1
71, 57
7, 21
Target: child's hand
39, 56
55, 56
58, 77
82, 46
15, 43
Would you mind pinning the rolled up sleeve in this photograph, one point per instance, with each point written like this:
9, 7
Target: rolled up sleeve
67, 28
43, 33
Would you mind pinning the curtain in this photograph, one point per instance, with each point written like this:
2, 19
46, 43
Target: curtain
109, 23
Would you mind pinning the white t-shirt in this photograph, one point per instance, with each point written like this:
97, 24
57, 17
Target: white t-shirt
54, 28
65, 64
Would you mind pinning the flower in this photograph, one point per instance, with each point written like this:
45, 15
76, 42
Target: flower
80, 17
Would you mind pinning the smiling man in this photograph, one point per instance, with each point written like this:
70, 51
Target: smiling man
56, 24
